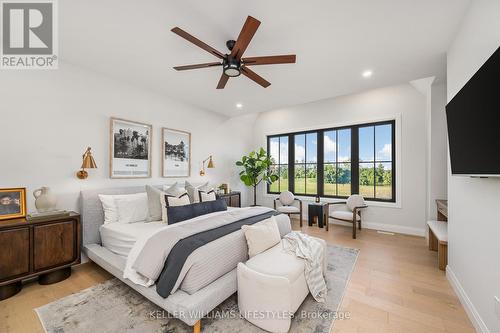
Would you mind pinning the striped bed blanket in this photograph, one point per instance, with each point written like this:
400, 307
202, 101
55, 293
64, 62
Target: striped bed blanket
313, 253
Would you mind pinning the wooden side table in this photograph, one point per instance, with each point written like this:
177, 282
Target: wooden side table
46, 248
319, 211
233, 198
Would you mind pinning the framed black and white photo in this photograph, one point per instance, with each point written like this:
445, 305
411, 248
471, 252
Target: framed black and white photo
130, 151
176, 152
12, 203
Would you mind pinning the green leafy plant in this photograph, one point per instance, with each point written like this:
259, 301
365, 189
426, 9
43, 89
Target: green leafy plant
256, 170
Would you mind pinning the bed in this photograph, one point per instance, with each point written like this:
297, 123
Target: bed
191, 301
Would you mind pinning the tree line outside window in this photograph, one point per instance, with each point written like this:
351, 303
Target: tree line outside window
336, 162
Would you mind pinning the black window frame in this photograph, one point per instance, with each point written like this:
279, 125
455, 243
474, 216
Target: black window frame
320, 160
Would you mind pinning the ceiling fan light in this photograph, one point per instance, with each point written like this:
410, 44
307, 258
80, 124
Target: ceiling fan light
231, 67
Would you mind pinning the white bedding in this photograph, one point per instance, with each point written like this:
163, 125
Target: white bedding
119, 238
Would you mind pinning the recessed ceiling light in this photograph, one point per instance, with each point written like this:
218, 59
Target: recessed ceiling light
239, 105
367, 74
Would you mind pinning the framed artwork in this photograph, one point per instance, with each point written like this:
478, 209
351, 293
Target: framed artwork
176, 153
12, 203
130, 149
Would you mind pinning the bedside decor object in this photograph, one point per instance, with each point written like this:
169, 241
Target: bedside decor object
176, 152
46, 248
45, 215
130, 149
12, 203
45, 200
87, 163
210, 165
224, 188
256, 166
317, 200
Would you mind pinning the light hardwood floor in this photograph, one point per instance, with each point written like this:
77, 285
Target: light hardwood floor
395, 287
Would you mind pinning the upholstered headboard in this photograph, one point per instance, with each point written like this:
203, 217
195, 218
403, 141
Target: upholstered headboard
92, 213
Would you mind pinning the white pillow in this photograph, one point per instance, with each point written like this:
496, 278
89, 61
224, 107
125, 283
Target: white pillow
175, 189
109, 205
132, 208
181, 200
193, 191
261, 236
207, 196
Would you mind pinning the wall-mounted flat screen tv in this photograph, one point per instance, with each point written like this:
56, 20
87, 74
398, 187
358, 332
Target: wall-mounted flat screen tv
473, 118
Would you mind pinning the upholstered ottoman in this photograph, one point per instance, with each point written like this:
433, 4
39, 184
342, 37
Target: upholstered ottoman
271, 287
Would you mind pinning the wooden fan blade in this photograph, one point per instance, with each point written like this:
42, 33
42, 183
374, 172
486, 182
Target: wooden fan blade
197, 42
246, 35
222, 81
255, 77
206, 65
269, 60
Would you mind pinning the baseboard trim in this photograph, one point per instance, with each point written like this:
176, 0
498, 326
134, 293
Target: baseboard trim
387, 227
470, 309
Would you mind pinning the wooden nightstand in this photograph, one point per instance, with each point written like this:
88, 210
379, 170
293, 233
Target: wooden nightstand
233, 198
44, 248
318, 211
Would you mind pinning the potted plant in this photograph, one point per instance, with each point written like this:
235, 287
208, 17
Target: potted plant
256, 169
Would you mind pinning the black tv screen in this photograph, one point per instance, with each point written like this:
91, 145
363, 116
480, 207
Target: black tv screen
473, 118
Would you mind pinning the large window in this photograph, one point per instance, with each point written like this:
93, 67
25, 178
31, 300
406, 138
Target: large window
336, 162
278, 149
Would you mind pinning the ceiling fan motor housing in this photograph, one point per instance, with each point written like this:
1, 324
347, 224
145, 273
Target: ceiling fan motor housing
231, 66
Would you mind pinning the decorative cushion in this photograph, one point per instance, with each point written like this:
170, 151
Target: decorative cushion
182, 213
261, 236
343, 215
109, 205
354, 201
132, 208
207, 196
171, 201
193, 191
287, 198
154, 203
175, 189
288, 209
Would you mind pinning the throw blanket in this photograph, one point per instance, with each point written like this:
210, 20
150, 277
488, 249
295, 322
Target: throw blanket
183, 249
312, 251
147, 258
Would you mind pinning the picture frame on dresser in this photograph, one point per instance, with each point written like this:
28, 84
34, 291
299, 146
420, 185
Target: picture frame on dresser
130, 149
176, 153
12, 203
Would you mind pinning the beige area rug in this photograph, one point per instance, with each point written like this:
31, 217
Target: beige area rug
114, 307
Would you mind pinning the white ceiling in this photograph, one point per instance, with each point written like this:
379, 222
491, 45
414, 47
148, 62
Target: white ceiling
335, 41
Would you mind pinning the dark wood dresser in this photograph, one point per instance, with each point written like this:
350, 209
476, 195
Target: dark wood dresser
233, 198
43, 248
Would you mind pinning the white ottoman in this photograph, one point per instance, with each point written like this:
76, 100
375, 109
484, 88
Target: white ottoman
271, 287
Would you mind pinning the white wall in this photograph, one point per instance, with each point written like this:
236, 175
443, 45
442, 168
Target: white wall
402, 102
438, 166
48, 118
474, 226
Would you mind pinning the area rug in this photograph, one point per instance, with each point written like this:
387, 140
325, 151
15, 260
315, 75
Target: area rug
114, 307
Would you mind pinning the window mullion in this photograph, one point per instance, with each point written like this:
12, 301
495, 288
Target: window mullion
320, 160
354, 160
291, 163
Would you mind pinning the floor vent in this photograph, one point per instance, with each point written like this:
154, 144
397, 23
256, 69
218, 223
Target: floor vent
386, 233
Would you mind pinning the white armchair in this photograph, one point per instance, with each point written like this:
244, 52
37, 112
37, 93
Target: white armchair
286, 202
350, 212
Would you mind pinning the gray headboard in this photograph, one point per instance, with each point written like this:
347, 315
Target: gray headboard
92, 213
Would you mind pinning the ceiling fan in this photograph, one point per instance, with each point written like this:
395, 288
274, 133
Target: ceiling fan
233, 64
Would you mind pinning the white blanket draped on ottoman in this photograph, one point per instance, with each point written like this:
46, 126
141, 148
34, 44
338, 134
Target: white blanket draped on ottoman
313, 252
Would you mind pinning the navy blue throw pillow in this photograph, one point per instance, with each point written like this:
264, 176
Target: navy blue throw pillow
182, 213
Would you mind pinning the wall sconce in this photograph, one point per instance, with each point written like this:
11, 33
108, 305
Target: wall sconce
88, 163
210, 165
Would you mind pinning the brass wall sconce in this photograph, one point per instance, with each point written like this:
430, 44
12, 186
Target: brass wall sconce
88, 163
210, 165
